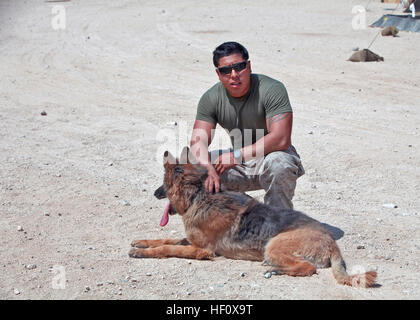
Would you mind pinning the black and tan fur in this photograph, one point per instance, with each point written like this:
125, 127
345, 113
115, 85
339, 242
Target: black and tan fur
236, 226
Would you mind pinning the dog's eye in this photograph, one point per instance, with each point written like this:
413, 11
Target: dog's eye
178, 170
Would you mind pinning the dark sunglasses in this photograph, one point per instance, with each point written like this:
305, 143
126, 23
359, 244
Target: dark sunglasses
237, 67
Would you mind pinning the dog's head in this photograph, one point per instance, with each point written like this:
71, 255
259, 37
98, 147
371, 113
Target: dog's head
183, 178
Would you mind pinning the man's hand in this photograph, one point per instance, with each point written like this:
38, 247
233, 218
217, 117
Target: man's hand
224, 162
213, 181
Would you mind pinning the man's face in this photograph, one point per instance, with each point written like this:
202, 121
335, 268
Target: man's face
237, 83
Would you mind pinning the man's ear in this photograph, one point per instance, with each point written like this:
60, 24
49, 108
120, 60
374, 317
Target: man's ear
218, 73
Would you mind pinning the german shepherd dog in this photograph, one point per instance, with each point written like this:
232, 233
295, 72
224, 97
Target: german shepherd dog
236, 226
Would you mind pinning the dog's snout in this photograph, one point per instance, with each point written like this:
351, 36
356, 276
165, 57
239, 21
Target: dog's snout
160, 193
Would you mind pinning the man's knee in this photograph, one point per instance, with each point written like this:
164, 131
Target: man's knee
282, 164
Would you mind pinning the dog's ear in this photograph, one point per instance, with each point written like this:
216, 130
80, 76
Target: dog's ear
185, 155
191, 158
168, 158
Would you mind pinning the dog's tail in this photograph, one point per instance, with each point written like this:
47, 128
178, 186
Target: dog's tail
365, 280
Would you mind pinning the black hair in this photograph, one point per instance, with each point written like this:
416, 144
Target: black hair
227, 49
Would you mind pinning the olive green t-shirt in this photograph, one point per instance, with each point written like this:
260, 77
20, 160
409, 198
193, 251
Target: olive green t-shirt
266, 98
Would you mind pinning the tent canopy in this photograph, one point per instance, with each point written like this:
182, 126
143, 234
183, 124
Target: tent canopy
402, 22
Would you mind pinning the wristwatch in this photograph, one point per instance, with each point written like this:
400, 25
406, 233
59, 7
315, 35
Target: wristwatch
237, 155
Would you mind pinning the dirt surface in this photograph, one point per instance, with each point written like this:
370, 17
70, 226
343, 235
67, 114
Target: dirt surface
121, 83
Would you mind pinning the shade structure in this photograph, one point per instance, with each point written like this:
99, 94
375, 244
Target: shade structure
402, 22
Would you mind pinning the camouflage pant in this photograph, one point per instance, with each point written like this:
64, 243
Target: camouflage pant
276, 173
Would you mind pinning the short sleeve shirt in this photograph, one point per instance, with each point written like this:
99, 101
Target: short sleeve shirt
247, 115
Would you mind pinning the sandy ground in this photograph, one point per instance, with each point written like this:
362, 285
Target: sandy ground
79, 181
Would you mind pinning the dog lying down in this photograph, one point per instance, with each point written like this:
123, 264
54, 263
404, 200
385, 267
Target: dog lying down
236, 226
365, 55
390, 31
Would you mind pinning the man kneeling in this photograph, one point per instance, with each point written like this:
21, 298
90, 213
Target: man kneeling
255, 111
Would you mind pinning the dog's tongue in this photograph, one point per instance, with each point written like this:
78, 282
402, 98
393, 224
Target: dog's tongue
165, 217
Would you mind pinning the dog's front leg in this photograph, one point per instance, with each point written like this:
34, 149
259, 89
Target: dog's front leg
158, 243
172, 251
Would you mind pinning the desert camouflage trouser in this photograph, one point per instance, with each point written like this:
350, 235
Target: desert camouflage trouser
276, 173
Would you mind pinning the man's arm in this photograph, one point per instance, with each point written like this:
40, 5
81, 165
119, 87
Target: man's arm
277, 139
202, 137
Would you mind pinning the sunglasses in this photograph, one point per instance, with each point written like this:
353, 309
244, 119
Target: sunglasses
237, 67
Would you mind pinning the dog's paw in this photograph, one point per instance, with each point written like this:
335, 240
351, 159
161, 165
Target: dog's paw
205, 255
139, 244
136, 253
273, 272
